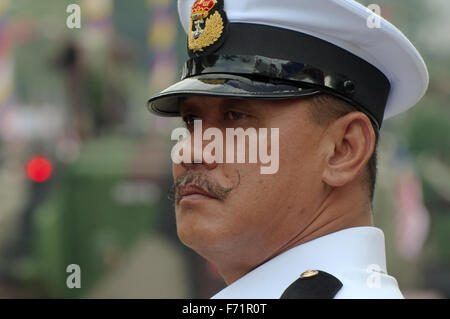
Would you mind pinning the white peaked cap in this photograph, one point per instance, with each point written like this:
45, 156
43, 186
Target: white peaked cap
343, 23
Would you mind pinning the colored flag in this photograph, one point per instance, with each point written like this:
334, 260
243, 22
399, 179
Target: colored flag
413, 219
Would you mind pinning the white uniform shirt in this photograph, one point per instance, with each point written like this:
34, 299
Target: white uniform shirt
355, 256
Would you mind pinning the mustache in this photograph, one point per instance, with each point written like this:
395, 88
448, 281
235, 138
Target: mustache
202, 181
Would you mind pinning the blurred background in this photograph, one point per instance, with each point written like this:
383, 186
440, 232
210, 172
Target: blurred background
85, 169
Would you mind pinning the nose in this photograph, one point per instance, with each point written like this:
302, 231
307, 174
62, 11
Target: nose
198, 160
198, 157
198, 163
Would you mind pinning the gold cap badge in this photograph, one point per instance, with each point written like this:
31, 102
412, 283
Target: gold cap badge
207, 27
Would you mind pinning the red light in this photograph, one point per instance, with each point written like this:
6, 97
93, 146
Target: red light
39, 169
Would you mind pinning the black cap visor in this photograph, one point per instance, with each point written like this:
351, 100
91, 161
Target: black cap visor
227, 86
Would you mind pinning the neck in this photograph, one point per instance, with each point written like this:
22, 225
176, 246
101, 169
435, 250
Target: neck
337, 211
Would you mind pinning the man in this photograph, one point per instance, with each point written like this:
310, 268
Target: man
320, 74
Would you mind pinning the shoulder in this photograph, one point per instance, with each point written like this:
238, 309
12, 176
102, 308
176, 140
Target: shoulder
318, 284
313, 284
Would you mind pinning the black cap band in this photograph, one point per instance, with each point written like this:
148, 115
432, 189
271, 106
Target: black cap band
279, 54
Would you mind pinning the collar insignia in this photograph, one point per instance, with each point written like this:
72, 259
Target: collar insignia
208, 26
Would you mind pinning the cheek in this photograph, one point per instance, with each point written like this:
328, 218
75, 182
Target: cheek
298, 153
299, 175
266, 204
254, 203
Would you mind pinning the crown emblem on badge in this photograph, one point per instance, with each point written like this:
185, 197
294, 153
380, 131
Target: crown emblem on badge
207, 27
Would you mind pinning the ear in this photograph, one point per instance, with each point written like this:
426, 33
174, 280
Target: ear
351, 140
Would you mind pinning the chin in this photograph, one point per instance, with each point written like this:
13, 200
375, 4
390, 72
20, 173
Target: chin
199, 233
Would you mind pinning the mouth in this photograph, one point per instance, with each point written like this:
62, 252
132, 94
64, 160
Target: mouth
193, 193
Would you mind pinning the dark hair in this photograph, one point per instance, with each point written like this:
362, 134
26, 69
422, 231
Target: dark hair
325, 108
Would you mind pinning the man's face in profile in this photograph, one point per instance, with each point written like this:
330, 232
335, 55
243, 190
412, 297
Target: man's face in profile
231, 210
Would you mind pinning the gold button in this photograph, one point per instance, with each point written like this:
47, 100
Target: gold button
309, 273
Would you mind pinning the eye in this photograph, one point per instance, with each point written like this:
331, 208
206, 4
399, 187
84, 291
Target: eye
233, 115
189, 119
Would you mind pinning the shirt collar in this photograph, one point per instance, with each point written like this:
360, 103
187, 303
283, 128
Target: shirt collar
338, 253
